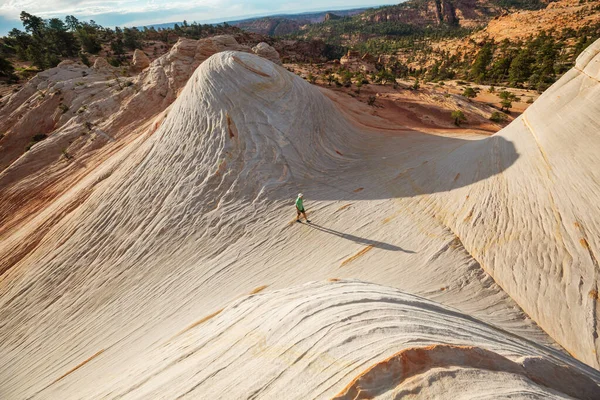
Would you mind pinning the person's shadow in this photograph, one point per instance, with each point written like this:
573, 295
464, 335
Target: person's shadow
356, 239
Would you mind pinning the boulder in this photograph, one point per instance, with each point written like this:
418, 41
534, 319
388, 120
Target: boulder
265, 51
101, 64
140, 61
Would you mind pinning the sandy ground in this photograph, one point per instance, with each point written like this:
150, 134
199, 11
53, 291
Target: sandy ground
430, 106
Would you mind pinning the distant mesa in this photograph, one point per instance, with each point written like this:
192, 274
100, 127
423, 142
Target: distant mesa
331, 16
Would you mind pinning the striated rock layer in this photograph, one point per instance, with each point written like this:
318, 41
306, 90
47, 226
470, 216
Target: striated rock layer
342, 340
112, 288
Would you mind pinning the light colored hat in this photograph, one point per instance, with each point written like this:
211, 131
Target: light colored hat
300, 195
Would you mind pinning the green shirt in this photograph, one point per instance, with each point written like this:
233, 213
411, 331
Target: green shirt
299, 204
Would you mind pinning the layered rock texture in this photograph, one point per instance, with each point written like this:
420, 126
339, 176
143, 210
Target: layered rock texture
266, 51
140, 60
165, 261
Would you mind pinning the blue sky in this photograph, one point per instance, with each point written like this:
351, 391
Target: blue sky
145, 12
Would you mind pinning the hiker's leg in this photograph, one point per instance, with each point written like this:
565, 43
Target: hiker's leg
298, 215
304, 213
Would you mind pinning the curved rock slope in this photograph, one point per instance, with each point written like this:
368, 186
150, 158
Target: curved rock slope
534, 225
342, 340
173, 228
88, 115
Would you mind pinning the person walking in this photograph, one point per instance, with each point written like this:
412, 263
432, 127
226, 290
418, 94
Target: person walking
300, 208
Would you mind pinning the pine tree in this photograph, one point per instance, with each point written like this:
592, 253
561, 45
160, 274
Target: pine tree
482, 61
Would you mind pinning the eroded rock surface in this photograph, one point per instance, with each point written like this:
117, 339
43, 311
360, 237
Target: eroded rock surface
187, 208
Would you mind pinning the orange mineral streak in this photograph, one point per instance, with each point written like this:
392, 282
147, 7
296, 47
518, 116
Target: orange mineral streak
391, 373
357, 255
79, 366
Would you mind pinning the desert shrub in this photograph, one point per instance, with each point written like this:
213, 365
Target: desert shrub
84, 59
458, 117
35, 139
416, 85
498, 116
506, 100
371, 100
469, 93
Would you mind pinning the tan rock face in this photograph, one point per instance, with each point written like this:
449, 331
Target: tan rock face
88, 113
101, 64
355, 62
264, 50
170, 262
140, 60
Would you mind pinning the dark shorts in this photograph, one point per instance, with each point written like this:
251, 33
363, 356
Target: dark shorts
299, 210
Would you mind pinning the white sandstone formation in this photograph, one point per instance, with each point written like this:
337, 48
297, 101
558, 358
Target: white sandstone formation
89, 113
172, 265
140, 61
101, 64
342, 340
266, 51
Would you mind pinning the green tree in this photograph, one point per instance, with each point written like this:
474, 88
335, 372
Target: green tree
20, 41
498, 117
470, 93
32, 24
520, 67
506, 99
458, 117
89, 41
330, 79
6, 69
416, 85
131, 38
358, 84
482, 62
84, 59
59, 40
72, 23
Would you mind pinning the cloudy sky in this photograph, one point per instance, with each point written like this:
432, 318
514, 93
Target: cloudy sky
144, 12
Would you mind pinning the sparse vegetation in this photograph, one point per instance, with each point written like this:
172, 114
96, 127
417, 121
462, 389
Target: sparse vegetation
416, 85
506, 99
458, 117
470, 93
498, 117
35, 139
66, 154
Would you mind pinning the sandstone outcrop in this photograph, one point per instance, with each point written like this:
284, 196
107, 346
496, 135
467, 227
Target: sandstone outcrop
355, 62
140, 61
170, 264
264, 50
102, 64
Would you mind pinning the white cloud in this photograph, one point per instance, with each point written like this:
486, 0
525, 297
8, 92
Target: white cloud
145, 12
11, 9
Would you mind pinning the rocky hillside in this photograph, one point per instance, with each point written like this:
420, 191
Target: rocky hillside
273, 26
287, 24
424, 17
149, 246
467, 13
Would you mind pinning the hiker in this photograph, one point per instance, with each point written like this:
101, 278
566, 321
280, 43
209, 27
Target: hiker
300, 208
